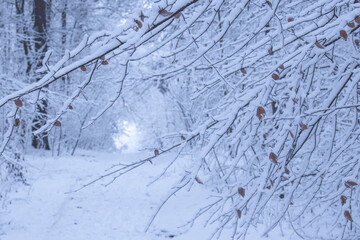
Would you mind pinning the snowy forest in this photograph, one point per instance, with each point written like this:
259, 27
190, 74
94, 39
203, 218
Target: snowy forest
180, 119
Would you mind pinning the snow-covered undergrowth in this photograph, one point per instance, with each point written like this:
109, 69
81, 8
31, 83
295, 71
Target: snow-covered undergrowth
48, 208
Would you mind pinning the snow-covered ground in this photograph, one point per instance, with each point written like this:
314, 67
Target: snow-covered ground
45, 210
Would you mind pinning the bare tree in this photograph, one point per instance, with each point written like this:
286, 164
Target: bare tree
40, 140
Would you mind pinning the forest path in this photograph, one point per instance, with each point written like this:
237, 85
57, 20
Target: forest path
121, 210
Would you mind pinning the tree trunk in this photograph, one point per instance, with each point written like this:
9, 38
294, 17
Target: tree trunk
41, 140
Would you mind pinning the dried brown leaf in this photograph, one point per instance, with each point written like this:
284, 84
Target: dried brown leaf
260, 112
17, 122
303, 126
348, 216
142, 16
357, 19
350, 184
269, 3
275, 76
357, 42
282, 67
178, 15
70, 107
138, 23
351, 24
265, 136
102, 57
319, 45
156, 152
164, 13
18, 103
238, 211
241, 191
243, 70
57, 123
229, 130
105, 63
344, 34
343, 200
273, 158
198, 180
290, 19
